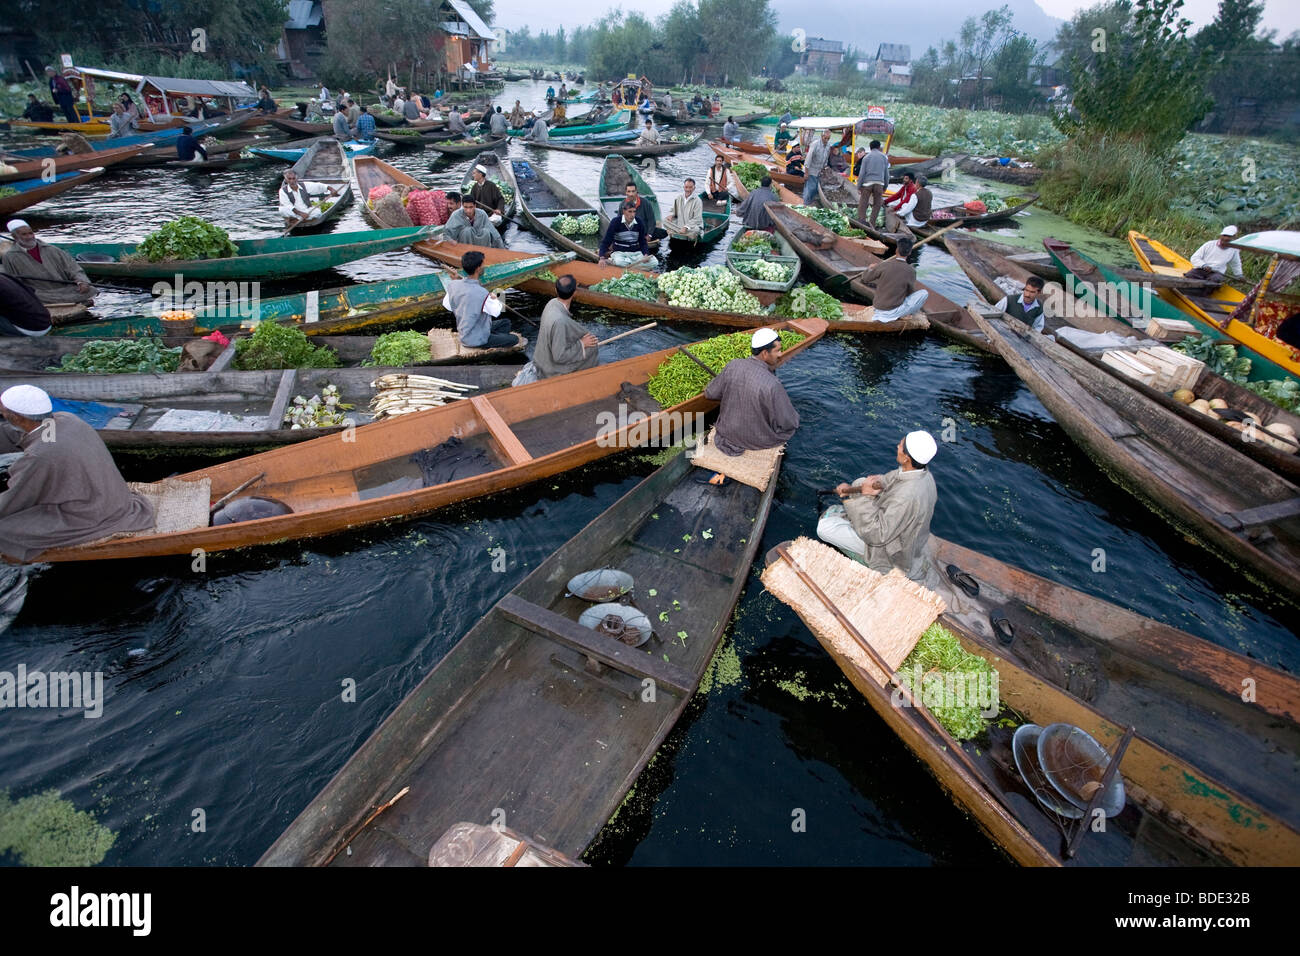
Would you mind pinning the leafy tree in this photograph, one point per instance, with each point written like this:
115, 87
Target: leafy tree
1011, 68
1232, 28
1077, 40
365, 38
736, 34
682, 37
561, 47
621, 45
483, 8
1145, 86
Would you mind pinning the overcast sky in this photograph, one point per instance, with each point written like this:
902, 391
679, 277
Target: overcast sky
1282, 15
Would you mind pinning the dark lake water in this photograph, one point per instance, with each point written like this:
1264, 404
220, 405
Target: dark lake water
223, 688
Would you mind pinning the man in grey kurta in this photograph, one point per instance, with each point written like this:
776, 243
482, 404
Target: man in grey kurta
475, 308
471, 225
50, 272
755, 410
455, 122
65, 489
885, 519
563, 345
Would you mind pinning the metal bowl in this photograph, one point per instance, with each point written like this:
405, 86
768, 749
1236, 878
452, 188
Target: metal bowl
1073, 762
618, 621
603, 584
1024, 748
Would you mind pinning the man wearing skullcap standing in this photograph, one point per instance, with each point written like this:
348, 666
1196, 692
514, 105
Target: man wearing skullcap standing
885, 519
487, 195
65, 489
50, 272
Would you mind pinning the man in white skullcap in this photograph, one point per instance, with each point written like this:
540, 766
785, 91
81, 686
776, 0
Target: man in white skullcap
47, 270
1216, 258
487, 196
755, 411
65, 489
885, 519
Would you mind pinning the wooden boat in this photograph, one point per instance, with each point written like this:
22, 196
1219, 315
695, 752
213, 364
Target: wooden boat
854, 318
297, 127
86, 126
227, 412
842, 261
1003, 174
935, 223
542, 198
218, 160
29, 192
777, 172
930, 168
1212, 307
510, 438
256, 259
164, 137
365, 305
619, 137
780, 251
618, 121
461, 147
503, 174
1235, 505
326, 162
371, 172
741, 112
783, 193
418, 139
985, 266
615, 173
293, 152
618, 149
36, 168
216, 126
690, 546
1205, 783
1125, 299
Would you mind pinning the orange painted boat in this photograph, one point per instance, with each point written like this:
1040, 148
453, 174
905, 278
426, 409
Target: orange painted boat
35, 168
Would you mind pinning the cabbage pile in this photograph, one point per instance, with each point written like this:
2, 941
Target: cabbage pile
764, 270
712, 287
566, 225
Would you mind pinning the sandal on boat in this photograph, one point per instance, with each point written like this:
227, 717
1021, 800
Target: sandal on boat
968, 584
1002, 626
704, 477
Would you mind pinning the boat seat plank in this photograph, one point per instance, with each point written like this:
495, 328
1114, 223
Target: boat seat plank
283, 395
571, 634
511, 446
1261, 515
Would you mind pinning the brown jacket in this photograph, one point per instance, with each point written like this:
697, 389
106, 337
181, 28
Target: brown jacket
894, 280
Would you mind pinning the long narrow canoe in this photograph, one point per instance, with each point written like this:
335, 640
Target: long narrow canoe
618, 121
588, 147
165, 136
467, 147
218, 126
301, 127
590, 734
842, 261
256, 259
293, 152
615, 173
779, 251
413, 139
1233, 504
499, 172
617, 137
35, 168
507, 439
86, 126
371, 172
29, 192
326, 162
777, 173
225, 413
853, 318
783, 193
1103, 287
542, 198
1194, 797
365, 305
1212, 307
985, 266
999, 173
958, 211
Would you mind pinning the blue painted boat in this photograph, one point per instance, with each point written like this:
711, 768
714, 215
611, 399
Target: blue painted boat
291, 154
158, 138
31, 191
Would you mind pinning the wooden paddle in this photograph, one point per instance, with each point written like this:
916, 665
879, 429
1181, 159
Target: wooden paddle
936, 235
623, 335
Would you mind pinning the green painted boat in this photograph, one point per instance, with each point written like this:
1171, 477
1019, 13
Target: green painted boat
717, 217
257, 258
1126, 300
336, 311
615, 173
618, 121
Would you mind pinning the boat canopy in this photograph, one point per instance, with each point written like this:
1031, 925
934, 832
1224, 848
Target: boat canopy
155, 91
823, 122
1279, 242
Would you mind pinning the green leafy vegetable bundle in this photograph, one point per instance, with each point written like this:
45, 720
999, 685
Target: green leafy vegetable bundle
6, 191
992, 201
274, 346
1284, 393
755, 240
631, 285
396, 349
679, 379
836, 222
104, 356
749, 174
187, 238
809, 301
949, 681
1219, 357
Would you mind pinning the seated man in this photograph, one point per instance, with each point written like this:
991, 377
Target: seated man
296, 204
475, 308
51, 273
794, 159
885, 519
365, 125
1214, 260
537, 132
487, 195
65, 489
649, 136
753, 211
1028, 306
342, 131
687, 218
456, 122
21, 313
754, 409
563, 345
497, 124
188, 146
120, 123
560, 113
470, 225
782, 137
625, 239
37, 111
517, 116
894, 279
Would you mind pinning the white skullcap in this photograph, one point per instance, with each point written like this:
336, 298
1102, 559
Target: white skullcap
480, 168
13, 224
1228, 231
26, 400
762, 338
920, 447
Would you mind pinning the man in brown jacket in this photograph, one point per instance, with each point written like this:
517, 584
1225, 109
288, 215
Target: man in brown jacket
894, 280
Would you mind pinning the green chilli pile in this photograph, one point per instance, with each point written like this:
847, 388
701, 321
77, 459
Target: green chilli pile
955, 686
566, 225
809, 301
679, 379
273, 346
121, 355
398, 349
630, 285
187, 238
712, 287
750, 174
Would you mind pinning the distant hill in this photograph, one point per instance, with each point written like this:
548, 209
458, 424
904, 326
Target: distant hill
918, 25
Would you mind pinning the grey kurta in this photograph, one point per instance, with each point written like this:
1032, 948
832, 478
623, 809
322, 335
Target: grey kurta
480, 232
53, 279
466, 298
756, 412
895, 524
559, 346
65, 492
